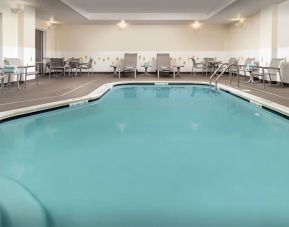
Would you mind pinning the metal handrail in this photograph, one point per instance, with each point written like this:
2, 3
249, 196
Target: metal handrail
216, 71
230, 75
222, 73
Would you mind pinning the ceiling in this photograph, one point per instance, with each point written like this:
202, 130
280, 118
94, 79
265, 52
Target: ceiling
145, 11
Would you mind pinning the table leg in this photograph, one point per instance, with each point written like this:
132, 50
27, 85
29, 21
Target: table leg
251, 80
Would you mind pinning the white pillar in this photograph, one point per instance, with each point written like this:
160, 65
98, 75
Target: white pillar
26, 38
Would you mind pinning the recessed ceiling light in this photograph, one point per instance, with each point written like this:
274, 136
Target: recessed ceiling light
238, 21
122, 25
196, 26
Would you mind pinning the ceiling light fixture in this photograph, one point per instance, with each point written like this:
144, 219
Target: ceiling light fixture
239, 21
196, 26
122, 25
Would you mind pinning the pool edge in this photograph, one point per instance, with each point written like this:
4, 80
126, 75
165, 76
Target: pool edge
102, 90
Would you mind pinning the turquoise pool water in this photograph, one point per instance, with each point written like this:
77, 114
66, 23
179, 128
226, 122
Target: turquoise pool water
147, 156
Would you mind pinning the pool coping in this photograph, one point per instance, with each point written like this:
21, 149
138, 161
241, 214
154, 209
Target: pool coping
103, 89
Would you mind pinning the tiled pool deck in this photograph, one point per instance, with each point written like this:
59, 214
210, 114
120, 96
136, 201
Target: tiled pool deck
57, 89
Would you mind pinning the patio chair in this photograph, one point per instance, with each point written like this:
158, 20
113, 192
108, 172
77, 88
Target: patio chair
21, 71
245, 67
234, 69
74, 64
274, 69
163, 64
130, 64
208, 66
87, 66
58, 65
196, 66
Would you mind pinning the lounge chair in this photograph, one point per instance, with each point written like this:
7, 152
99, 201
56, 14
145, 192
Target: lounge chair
130, 64
163, 64
21, 70
274, 70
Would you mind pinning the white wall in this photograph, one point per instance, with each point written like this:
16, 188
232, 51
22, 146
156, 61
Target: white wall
107, 44
18, 34
283, 36
1, 45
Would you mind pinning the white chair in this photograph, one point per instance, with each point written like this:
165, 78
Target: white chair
273, 70
163, 64
129, 65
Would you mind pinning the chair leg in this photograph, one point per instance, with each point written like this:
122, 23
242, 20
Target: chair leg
281, 81
25, 80
270, 79
158, 74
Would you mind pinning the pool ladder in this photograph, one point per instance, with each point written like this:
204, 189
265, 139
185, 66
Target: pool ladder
223, 69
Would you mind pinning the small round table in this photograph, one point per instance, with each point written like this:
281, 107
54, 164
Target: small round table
178, 67
114, 70
146, 67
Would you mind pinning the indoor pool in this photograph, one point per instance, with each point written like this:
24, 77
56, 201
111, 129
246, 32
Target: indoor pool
147, 156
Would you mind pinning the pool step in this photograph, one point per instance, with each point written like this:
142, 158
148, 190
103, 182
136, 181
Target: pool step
18, 207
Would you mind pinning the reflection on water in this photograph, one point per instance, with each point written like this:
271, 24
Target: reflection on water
130, 93
121, 126
194, 125
163, 92
193, 92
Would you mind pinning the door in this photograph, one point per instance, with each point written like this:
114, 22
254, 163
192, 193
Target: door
39, 48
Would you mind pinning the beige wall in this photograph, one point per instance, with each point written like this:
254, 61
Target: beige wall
244, 37
18, 34
140, 38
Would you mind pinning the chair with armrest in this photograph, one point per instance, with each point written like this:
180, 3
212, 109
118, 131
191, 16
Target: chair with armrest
163, 64
129, 64
208, 66
73, 65
22, 71
273, 70
196, 66
234, 66
245, 67
58, 65
87, 66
